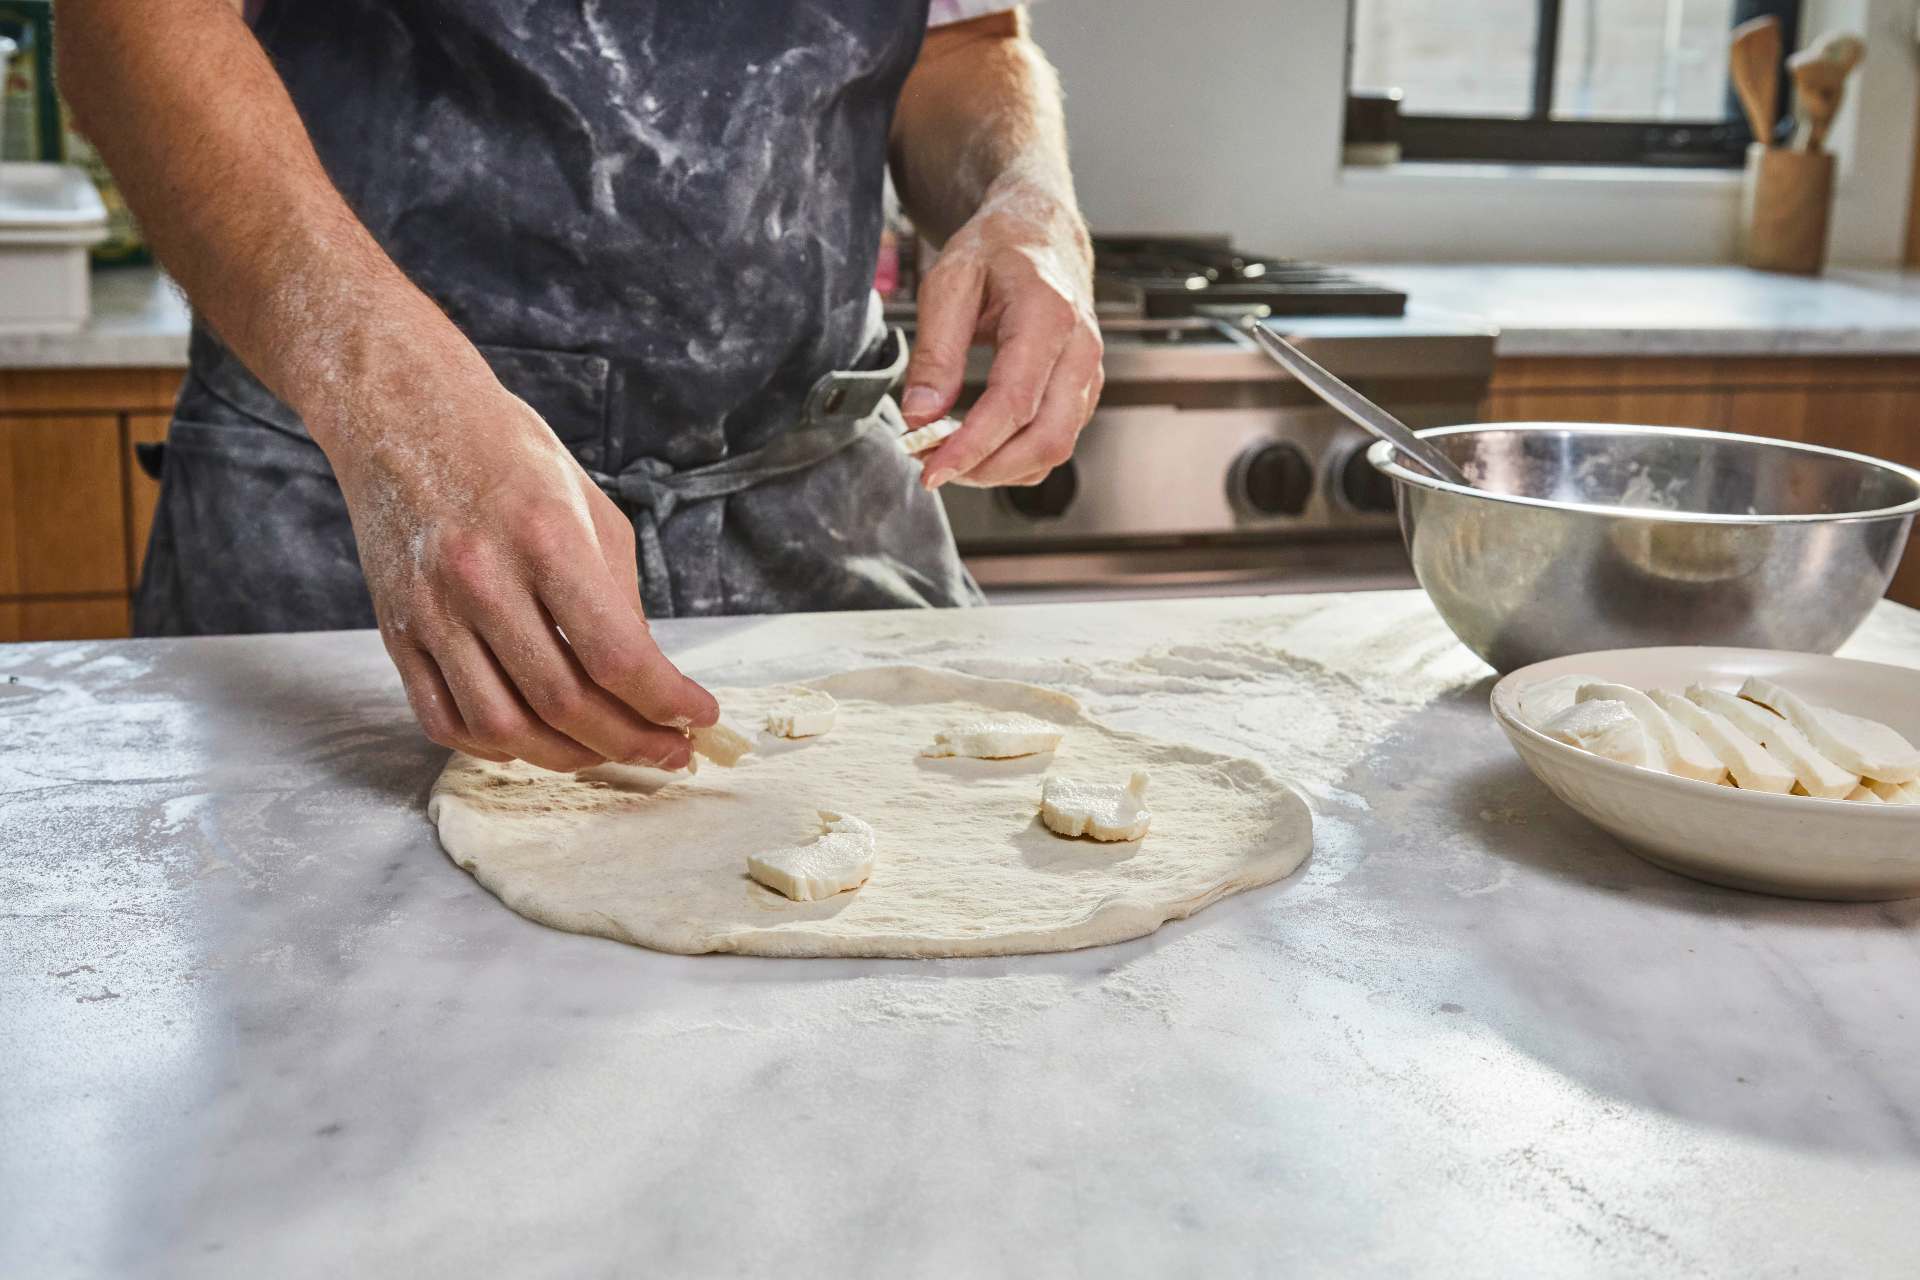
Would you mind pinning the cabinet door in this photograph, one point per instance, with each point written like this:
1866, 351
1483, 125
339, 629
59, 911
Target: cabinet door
62, 519
1645, 407
143, 491
1875, 420
99, 618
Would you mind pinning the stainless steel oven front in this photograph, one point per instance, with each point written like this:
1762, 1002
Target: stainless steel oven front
1208, 469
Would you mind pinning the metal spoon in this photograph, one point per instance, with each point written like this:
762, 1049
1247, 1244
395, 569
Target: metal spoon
1360, 410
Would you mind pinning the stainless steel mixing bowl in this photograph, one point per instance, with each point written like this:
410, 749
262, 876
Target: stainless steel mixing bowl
1581, 536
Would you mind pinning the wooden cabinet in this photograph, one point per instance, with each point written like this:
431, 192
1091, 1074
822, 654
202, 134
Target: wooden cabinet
62, 531
1867, 404
74, 509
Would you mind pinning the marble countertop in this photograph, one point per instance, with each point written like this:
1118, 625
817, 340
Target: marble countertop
258, 1024
1672, 310
141, 321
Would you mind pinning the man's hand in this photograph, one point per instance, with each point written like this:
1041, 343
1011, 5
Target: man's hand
505, 586
1018, 275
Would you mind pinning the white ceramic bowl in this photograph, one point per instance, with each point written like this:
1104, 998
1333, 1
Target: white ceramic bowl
1790, 845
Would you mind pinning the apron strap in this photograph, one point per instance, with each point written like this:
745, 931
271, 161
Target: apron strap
841, 409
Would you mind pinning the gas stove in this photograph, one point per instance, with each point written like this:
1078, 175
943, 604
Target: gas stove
1207, 276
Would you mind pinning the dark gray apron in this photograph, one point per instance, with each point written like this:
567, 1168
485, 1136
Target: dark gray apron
658, 220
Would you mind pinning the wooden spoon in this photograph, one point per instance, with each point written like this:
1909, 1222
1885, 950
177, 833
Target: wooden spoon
1755, 65
1820, 74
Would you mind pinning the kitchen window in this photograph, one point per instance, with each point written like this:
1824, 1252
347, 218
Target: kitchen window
1615, 82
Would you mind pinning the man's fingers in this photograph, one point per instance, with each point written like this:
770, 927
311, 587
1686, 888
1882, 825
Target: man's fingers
1048, 440
613, 642
493, 711
1030, 347
551, 681
949, 313
433, 704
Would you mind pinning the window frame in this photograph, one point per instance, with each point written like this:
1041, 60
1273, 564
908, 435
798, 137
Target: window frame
1540, 139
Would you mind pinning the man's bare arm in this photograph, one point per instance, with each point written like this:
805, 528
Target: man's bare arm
200, 133
980, 160
206, 145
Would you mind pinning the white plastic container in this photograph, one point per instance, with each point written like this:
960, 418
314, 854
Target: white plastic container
50, 215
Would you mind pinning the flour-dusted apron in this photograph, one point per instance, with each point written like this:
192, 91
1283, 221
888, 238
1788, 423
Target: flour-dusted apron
658, 221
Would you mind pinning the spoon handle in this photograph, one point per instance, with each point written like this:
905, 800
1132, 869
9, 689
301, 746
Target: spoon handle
1362, 411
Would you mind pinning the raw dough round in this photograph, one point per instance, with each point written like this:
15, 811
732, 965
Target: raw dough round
964, 866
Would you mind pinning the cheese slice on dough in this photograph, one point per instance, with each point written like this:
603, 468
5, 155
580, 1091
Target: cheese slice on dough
839, 860
1817, 775
999, 739
1539, 703
1866, 747
1103, 810
1676, 748
805, 713
1606, 728
719, 742
1753, 767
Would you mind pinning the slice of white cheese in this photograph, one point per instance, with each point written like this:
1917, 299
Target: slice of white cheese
1894, 792
1753, 767
1865, 793
1867, 747
998, 739
803, 713
928, 436
719, 742
839, 860
1606, 728
1539, 703
1677, 748
1817, 775
1103, 810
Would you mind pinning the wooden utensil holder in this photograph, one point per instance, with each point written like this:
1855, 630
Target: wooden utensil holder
1789, 197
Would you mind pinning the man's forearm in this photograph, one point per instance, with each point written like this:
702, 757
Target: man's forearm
204, 141
980, 122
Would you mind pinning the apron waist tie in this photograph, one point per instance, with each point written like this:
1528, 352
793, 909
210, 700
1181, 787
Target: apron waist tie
649, 490
841, 408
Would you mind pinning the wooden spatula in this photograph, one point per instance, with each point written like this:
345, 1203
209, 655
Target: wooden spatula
1820, 74
1755, 65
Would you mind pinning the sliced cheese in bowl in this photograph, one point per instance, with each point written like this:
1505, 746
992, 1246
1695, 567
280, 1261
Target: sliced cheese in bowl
1866, 747
1541, 702
1753, 767
1677, 748
1817, 775
1604, 727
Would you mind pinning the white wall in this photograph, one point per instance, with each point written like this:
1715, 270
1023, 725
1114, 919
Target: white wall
1224, 115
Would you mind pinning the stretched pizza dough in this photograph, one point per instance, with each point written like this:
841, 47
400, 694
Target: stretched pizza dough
963, 865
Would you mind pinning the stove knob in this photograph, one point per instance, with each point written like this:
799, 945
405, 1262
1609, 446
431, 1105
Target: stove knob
1365, 487
1047, 500
1274, 479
